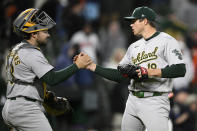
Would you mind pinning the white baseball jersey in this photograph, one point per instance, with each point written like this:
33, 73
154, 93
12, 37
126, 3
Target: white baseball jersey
156, 53
27, 64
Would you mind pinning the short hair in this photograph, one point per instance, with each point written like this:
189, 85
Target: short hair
26, 36
152, 23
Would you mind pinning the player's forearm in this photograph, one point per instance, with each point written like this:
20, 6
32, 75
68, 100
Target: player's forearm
55, 77
173, 71
154, 73
111, 74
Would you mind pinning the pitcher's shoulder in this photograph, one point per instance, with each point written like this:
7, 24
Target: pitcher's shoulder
137, 43
166, 36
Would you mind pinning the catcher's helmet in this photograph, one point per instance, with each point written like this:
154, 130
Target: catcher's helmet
32, 20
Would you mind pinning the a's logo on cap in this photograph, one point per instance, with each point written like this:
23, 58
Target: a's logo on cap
143, 15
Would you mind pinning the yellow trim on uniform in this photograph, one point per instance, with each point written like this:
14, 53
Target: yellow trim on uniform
45, 89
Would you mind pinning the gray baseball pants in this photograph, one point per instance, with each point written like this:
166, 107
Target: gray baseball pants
23, 115
151, 113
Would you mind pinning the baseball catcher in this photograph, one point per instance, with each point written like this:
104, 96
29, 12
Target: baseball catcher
27, 68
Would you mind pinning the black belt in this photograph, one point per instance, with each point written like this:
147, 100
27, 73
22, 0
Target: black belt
19, 82
26, 98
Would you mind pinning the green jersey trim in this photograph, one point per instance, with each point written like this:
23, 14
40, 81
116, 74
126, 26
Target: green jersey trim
154, 35
173, 71
111, 74
54, 77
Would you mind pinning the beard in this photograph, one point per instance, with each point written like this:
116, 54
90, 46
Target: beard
42, 43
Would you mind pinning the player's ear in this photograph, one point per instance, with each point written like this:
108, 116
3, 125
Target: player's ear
146, 21
34, 34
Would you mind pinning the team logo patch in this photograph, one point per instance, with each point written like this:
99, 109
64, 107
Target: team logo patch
177, 53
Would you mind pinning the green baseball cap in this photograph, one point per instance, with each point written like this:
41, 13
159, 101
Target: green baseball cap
142, 12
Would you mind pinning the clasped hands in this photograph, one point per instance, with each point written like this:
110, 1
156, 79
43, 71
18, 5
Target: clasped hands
83, 61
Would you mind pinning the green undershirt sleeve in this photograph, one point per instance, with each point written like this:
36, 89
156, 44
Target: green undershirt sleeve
111, 74
54, 77
173, 71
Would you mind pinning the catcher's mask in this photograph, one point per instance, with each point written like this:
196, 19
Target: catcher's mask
32, 20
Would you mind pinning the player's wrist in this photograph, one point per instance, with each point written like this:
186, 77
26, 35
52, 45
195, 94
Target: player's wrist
154, 73
93, 67
75, 65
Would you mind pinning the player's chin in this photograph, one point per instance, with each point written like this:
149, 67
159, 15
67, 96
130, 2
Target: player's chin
45, 41
134, 32
137, 34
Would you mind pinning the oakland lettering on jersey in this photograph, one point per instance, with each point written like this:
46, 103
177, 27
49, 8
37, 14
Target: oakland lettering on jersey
144, 57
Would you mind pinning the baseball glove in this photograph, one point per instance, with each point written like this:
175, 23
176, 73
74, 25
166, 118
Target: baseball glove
128, 70
56, 105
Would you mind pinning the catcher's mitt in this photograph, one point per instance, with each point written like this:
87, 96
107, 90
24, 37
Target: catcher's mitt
56, 105
128, 70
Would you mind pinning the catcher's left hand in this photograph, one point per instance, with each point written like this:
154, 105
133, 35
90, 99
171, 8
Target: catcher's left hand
56, 105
